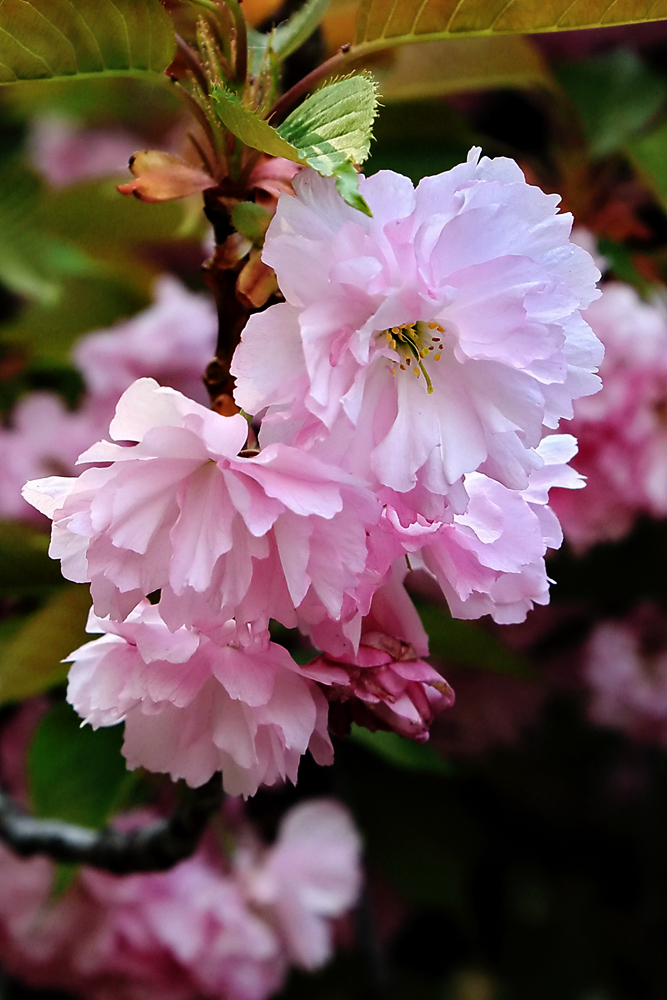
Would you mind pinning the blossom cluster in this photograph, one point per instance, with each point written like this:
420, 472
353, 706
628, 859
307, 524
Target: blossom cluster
408, 389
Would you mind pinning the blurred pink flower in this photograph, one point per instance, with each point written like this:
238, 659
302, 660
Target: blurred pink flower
194, 705
172, 341
308, 876
44, 439
220, 535
469, 282
204, 929
625, 667
622, 431
65, 153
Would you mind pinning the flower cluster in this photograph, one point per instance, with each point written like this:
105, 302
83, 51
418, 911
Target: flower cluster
210, 927
404, 387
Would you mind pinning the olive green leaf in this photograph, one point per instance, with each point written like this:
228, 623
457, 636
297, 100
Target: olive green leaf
55, 39
385, 24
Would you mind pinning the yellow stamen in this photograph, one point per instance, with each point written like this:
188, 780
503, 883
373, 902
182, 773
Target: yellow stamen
436, 357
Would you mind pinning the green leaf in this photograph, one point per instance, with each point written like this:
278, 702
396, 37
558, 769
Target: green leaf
30, 660
333, 125
54, 39
347, 185
469, 644
396, 750
616, 96
288, 37
385, 24
252, 220
622, 266
76, 773
330, 131
25, 566
435, 69
247, 125
649, 154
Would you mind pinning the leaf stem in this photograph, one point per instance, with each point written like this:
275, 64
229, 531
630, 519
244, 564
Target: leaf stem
307, 83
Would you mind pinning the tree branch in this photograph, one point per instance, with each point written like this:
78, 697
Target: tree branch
153, 848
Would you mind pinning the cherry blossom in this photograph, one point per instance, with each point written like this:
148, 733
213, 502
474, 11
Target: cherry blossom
221, 535
468, 283
193, 705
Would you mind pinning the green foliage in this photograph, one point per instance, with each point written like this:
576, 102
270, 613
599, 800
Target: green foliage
649, 154
252, 220
616, 96
51, 39
400, 752
330, 131
469, 644
333, 126
25, 567
434, 69
385, 24
288, 37
248, 126
74, 772
28, 663
621, 265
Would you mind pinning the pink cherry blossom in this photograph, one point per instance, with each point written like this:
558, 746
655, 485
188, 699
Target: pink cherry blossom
221, 535
470, 283
490, 560
193, 705
622, 431
379, 679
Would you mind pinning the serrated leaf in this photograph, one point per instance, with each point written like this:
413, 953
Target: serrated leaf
30, 659
288, 37
330, 131
76, 773
616, 96
399, 752
435, 69
55, 39
333, 125
385, 24
247, 125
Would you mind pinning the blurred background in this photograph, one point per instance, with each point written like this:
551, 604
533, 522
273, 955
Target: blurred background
520, 855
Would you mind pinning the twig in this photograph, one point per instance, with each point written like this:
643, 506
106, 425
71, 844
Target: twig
153, 848
303, 86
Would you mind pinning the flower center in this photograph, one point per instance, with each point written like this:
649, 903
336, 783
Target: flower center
413, 342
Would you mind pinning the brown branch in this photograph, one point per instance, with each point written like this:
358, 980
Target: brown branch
153, 848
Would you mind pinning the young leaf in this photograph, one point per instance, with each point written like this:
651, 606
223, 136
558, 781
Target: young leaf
385, 24
334, 124
293, 33
30, 659
330, 131
76, 773
247, 126
55, 39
